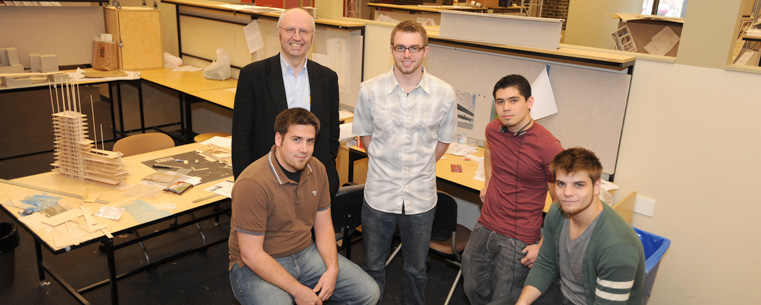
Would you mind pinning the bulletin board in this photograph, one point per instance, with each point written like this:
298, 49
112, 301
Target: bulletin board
591, 101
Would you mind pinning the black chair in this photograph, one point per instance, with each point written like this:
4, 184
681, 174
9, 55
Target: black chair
448, 239
346, 211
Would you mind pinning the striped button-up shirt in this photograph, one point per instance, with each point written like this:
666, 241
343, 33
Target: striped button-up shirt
405, 129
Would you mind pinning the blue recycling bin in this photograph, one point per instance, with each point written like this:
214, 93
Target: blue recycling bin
655, 246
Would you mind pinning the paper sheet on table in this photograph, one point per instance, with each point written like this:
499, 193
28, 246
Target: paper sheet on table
458, 149
220, 141
144, 212
224, 188
662, 42
480, 171
253, 36
544, 98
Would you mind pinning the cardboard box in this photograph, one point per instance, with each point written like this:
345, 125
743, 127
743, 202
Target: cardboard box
644, 27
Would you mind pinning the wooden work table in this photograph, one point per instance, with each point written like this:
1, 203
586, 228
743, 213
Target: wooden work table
194, 199
192, 84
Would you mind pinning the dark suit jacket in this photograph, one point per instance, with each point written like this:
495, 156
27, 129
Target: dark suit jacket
261, 96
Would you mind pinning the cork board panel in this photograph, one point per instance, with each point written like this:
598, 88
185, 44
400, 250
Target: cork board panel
140, 34
66, 31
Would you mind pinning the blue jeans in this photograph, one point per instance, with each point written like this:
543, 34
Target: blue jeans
415, 231
491, 266
353, 286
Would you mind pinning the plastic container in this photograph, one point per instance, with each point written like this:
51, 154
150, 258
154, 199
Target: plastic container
9, 240
655, 246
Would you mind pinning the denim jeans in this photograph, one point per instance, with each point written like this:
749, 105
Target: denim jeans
353, 286
491, 266
415, 231
553, 296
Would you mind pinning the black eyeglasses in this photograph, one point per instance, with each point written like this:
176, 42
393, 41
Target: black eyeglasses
412, 49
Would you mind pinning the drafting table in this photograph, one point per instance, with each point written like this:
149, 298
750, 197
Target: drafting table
192, 200
186, 83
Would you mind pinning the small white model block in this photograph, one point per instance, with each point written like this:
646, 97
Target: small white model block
12, 56
13, 82
34, 61
11, 69
48, 63
4, 57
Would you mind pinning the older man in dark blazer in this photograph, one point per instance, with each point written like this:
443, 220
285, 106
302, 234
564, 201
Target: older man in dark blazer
269, 86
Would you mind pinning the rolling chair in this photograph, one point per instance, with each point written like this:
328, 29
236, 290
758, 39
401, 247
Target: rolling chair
346, 211
448, 239
143, 143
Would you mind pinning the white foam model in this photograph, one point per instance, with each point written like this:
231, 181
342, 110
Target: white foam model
76, 156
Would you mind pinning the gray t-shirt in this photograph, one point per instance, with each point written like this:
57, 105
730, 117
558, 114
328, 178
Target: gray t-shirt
571, 253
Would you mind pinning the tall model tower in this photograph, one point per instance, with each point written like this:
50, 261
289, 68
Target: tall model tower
76, 156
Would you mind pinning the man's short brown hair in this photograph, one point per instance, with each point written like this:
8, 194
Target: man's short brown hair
575, 160
409, 26
295, 116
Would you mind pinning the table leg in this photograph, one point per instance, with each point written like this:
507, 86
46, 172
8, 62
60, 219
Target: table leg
140, 103
40, 267
188, 119
109, 243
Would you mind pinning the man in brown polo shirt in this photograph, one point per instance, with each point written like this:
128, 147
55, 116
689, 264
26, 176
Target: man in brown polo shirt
275, 203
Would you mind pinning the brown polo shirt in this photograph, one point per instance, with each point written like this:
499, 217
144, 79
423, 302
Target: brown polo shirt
265, 202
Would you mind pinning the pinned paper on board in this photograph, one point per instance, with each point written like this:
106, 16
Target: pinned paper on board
466, 109
253, 36
544, 98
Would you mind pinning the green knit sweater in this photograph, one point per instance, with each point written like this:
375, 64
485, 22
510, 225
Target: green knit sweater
614, 261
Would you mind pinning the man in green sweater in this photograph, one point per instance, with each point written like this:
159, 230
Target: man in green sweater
597, 255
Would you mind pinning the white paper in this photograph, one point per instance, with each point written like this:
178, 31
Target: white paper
662, 42
253, 36
544, 98
224, 188
458, 149
110, 213
220, 141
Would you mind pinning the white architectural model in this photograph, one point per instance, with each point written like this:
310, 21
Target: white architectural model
76, 156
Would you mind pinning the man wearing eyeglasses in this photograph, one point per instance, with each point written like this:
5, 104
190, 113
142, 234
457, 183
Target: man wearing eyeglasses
405, 119
284, 81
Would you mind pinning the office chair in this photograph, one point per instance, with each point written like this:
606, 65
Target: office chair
142, 143
346, 211
448, 239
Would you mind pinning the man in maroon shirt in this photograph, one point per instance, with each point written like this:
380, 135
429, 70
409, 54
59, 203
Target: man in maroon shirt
506, 240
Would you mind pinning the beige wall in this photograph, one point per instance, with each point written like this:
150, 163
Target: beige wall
589, 24
690, 142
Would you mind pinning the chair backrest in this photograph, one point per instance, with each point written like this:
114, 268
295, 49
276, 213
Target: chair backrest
445, 219
143, 143
346, 208
625, 207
